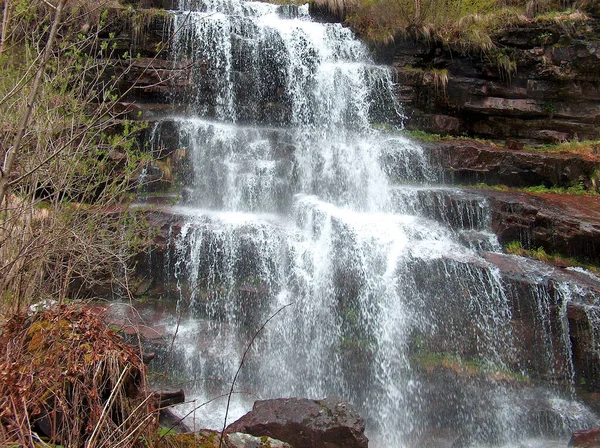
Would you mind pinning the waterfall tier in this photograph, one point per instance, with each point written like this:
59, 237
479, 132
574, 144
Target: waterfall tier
301, 191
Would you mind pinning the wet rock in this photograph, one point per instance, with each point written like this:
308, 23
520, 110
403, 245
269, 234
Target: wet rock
586, 439
168, 419
563, 224
240, 440
167, 396
542, 87
305, 423
464, 161
543, 313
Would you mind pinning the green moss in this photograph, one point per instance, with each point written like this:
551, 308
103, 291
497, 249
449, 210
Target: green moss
583, 147
578, 189
429, 137
202, 439
484, 186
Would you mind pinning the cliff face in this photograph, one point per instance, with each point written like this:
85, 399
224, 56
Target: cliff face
541, 83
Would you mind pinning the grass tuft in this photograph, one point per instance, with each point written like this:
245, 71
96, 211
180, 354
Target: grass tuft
540, 254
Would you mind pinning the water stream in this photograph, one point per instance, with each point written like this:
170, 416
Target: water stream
298, 196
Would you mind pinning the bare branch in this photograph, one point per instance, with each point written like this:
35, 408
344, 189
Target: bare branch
12, 152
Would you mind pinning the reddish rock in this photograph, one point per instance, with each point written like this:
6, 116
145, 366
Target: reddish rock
516, 145
586, 439
304, 423
466, 161
559, 223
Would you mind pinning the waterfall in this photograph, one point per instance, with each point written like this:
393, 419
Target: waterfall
297, 196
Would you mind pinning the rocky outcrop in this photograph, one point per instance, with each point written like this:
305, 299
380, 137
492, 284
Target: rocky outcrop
305, 423
469, 161
563, 294
586, 439
539, 83
558, 223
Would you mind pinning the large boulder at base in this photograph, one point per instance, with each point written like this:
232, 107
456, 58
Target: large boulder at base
589, 438
304, 423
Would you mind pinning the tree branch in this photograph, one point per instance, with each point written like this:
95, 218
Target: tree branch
11, 153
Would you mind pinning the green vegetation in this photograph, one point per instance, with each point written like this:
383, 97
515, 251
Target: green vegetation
578, 189
428, 137
584, 147
70, 161
422, 136
516, 248
468, 25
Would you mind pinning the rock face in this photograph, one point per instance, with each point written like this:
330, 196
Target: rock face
586, 439
467, 161
304, 423
564, 224
541, 86
526, 282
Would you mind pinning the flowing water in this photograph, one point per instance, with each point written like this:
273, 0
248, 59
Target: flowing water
298, 198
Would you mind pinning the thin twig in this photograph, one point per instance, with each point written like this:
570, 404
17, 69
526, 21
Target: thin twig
242, 363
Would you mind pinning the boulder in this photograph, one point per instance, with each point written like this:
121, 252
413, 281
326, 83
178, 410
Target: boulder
305, 423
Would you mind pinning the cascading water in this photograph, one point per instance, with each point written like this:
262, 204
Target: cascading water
294, 198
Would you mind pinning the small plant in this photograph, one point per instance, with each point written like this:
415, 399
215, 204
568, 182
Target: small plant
540, 254
506, 66
423, 136
440, 80
549, 108
583, 147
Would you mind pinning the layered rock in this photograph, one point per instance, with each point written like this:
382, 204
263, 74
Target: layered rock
542, 85
586, 439
537, 291
468, 162
564, 224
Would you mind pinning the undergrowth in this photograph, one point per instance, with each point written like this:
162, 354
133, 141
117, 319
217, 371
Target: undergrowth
584, 147
68, 379
429, 137
468, 25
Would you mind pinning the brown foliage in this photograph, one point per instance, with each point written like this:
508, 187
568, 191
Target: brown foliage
64, 374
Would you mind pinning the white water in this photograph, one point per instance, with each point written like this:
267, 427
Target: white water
295, 199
